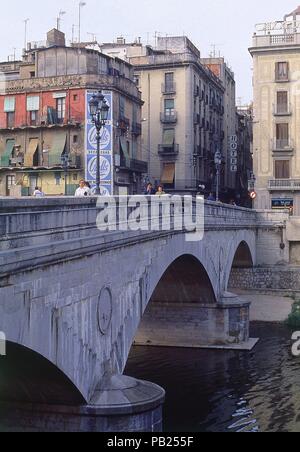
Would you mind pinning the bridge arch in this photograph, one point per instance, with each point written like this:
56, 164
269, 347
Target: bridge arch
28, 377
184, 281
173, 307
243, 257
242, 254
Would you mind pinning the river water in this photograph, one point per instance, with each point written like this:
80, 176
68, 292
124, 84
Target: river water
227, 391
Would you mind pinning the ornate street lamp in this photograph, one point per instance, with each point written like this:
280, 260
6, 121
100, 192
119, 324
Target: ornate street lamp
99, 110
218, 163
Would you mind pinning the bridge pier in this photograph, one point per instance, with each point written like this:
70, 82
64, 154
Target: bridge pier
123, 404
192, 325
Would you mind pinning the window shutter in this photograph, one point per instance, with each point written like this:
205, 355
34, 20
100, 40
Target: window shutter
9, 104
33, 103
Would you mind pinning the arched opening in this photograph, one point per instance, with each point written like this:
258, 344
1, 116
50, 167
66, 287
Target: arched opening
185, 281
241, 267
243, 257
27, 377
180, 308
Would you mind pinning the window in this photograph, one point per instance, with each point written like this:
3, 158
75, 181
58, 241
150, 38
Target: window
10, 182
169, 86
169, 107
282, 102
33, 118
75, 139
75, 97
9, 104
61, 108
11, 120
282, 169
168, 138
282, 136
57, 178
33, 103
282, 72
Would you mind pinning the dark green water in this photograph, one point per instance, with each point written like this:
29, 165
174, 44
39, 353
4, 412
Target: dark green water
217, 391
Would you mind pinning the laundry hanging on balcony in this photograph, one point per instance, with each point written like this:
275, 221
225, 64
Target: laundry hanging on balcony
29, 155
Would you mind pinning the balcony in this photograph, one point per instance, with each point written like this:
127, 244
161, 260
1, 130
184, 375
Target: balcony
168, 88
17, 161
168, 118
136, 129
168, 151
139, 166
123, 123
284, 184
282, 110
134, 165
282, 145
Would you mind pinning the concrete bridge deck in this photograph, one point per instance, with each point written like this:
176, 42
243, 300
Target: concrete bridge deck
76, 299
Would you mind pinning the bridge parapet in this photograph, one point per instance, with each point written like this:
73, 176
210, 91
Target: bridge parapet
25, 222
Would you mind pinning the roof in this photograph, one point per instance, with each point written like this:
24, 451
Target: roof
294, 13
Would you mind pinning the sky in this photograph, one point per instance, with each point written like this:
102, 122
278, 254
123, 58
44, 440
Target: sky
226, 24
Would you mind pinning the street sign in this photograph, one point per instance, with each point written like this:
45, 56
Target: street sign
253, 194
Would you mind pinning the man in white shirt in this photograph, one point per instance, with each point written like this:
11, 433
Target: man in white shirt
83, 190
38, 193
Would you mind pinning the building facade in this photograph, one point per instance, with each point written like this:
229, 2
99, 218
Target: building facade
46, 136
276, 57
244, 174
219, 67
183, 112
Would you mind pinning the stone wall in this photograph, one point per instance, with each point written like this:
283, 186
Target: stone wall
275, 278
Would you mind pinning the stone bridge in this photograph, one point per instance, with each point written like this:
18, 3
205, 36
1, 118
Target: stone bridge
73, 301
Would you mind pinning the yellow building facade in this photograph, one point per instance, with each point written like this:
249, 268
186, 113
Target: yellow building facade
276, 82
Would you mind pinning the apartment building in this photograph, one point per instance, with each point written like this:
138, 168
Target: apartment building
219, 67
183, 112
244, 173
46, 135
276, 80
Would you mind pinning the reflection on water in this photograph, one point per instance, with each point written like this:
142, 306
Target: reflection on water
217, 391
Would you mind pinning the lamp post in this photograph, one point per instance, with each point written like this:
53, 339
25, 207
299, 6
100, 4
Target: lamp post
81, 5
99, 110
66, 162
218, 163
59, 18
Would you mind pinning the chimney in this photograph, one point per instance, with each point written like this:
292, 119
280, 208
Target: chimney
56, 38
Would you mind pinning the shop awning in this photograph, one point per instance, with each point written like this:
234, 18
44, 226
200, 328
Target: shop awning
57, 149
168, 174
32, 148
6, 156
169, 138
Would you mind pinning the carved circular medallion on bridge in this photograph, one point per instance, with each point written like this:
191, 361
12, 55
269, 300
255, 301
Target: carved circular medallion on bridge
105, 308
